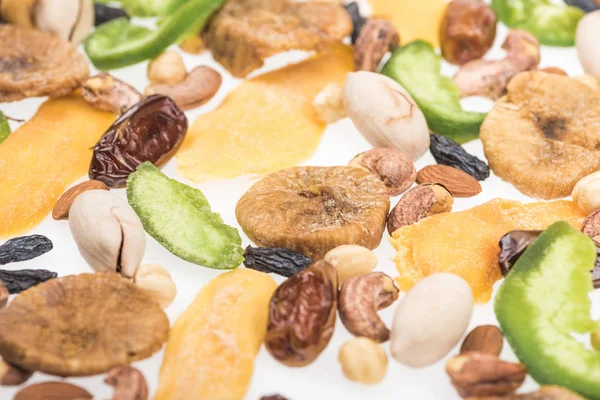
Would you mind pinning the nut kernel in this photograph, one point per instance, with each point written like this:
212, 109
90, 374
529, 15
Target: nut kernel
168, 68
363, 361
586, 193
157, 282
351, 260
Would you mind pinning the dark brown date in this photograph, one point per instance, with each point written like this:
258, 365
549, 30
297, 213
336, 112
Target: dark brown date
284, 262
152, 130
468, 30
17, 281
302, 315
24, 248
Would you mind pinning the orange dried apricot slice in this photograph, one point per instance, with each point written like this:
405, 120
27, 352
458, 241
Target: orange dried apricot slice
466, 243
266, 124
43, 157
212, 345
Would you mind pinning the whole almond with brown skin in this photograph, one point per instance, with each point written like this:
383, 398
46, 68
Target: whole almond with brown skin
64, 203
459, 183
486, 339
11, 375
53, 391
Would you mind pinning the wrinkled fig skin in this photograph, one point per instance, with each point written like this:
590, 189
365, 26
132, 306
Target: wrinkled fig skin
394, 167
302, 315
107, 93
376, 38
359, 300
447, 152
151, 131
128, 382
24, 248
512, 246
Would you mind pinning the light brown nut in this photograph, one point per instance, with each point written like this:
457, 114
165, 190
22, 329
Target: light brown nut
11, 375
108, 93
53, 390
486, 339
591, 226
157, 282
351, 260
376, 38
167, 69
3, 295
200, 85
193, 45
554, 70
363, 361
65, 201
394, 167
129, 383
586, 193
459, 183
479, 374
329, 104
418, 203
359, 300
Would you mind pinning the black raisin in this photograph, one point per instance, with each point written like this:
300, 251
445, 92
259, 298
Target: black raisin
17, 281
358, 21
24, 248
284, 262
447, 152
585, 5
106, 13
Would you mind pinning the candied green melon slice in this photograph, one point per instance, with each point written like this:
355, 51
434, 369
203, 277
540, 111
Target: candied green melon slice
179, 217
4, 127
544, 301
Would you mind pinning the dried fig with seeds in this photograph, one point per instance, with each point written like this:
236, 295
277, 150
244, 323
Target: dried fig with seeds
394, 167
314, 209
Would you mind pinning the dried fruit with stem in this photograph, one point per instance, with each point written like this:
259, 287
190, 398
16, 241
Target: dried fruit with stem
20, 280
284, 262
363, 361
106, 93
487, 339
457, 182
377, 37
351, 260
65, 201
447, 152
24, 248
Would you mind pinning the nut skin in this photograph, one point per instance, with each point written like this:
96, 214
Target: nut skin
591, 226
129, 383
363, 361
586, 193
467, 31
359, 300
376, 38
351, 260
168, 69
418, 203
302, 315
457, 182
486, 339
480, 374
107, 93
65, 201
394, 167
11, 375
157, 282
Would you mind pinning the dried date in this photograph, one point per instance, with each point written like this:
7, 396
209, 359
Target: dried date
284, 262
448, 152
468, 30
17, 281
358, 21
104, 13
302, 315
24, 248
152, 130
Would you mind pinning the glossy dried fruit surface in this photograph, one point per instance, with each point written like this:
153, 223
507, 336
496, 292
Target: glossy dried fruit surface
302, 315
152, 130
37, 64
512, 246
544, 135
315, 209
24, 248
284, 262
17, 281
34, 168
447, 152
79, 326
430, 245
212, 345
245, 136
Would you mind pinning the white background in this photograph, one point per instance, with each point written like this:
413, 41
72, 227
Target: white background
323, 379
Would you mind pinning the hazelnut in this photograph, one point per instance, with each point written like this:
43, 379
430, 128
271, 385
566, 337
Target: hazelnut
168, 69
157, 282
351, 260
363, 361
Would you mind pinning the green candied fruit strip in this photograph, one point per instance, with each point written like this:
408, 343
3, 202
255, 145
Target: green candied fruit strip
416, 67
4, 127
543, 301
179, 218
553, 24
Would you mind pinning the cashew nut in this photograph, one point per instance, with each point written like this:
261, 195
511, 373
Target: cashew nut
359, 300
157, 282
168, 69
129, 383
490, 78
200, 85
107, 93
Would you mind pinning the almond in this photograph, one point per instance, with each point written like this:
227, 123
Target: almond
53, 390
486, 339
459, 183
63, 205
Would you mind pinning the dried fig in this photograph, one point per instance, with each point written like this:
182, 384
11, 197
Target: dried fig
315, 209
544, 135
81, 325
302, 315
152, 131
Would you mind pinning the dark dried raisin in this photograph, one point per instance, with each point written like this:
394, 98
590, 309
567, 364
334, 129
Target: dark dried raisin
273, 397
104, 13
447, 152
284, 262
358, 21
17, 281
24, 248
512, 246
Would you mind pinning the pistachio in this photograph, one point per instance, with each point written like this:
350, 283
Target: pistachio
359, 300
129, 383
168, 69
376, 38
363, 361
394, 167
586, 193
157, 282
431, 319
329, 104
385, 114
107, 231
351, 260
588, 31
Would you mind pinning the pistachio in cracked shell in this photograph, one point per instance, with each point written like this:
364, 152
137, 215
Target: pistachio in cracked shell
107, 231
314, 209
